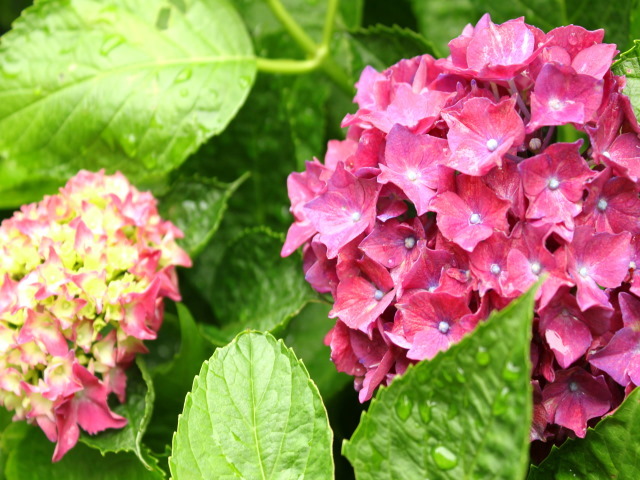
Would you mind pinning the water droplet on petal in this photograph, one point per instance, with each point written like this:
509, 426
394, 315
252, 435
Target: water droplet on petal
111, 42
404, 407
444, 458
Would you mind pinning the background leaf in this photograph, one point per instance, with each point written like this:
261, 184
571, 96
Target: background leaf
464, 414
137, 410
196, 206
629, 65
610, 450
252, 413
130, 85
255, 288
30, 459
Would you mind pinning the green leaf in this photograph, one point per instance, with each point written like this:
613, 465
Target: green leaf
129, 85
381, 46
196, 206
610, 450
305, 335
30, 459
464, 414
253, 412
255, 288
440, 22
629, 65
137, 410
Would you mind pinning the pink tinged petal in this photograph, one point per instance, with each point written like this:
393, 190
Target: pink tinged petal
553, 182
375, 376
412, 164
562, 96
93, 413
511, 44
472, 215
575, 397
46, 331
391, 202
488, 263
481, 133
574, 38
620, 358
506, 183
624, 155
67, 427
567, 336
359, 301
432, 322
391, 243
339, 339
595, 60
344, 211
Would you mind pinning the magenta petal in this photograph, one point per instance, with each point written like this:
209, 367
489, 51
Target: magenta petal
68, 431
568, 337
619, 358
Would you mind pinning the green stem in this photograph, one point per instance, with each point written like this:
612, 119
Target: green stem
291, 26
329, 20
287, 66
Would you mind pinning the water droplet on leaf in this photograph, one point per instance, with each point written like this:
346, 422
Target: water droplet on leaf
111, 42
425, 412
500, 404
404, 407
483, 358
444, 458
184, 75
511, 372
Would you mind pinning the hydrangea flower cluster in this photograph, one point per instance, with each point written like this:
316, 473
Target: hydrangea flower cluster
450, 196
83, 275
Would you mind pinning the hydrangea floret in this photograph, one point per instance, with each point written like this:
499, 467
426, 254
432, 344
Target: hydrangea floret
450, 197
83, 275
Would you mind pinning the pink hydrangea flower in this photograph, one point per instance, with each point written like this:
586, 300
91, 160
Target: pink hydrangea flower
450, 197
82, 280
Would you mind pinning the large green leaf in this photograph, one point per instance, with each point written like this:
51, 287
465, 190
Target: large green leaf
133, 85
196, 206
464, 414
253, 412
137, 410
30, 459
610, 450
305, 335
255, 288
629, 65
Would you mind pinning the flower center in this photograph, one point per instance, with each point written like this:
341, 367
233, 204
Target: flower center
492, 144
495, 269
474, 219
602, 204
553, 183
584, 273
535, 268
356, 216
573, 386
535, 144
607, 154
555, 104
409, 243
412, 175
378, 294
443, 327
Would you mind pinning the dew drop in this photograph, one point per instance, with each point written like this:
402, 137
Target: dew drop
404, 407
425, 412
500, 404
511, 372
483, 358
184, 92
184, 75
453, 411
553, 183
444, 458
245, 82
460, 376
111, 42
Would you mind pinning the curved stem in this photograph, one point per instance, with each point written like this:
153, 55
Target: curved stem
329, 20
291, 26
286, 66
